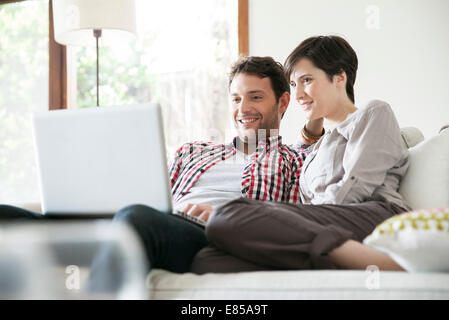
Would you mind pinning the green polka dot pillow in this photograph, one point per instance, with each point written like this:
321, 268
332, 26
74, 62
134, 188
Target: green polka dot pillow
418, 240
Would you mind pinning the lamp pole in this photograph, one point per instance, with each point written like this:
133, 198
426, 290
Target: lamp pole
97, 35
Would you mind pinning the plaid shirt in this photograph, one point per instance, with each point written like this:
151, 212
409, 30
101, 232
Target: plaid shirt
270, 174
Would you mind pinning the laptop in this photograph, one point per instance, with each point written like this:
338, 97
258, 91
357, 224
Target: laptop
95, 161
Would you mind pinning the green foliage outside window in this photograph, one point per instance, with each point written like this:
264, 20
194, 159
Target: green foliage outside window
23, 89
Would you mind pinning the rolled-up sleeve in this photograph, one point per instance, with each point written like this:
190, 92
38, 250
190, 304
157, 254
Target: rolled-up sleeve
374, 148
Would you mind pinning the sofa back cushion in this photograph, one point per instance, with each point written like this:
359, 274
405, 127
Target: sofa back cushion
426, 183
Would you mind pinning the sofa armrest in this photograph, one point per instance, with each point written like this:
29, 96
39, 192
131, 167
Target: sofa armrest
411, 136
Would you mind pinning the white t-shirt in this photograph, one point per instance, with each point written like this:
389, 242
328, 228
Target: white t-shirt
219, 184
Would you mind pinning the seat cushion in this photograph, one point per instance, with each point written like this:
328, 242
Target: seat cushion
273, 285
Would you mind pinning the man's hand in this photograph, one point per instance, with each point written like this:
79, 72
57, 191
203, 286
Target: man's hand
202, 211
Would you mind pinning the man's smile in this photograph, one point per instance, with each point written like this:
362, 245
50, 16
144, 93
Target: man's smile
246, 121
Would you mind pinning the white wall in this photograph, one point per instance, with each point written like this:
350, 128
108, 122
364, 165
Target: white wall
402, 47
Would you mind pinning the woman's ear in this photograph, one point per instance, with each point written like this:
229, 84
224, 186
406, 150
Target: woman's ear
340, 78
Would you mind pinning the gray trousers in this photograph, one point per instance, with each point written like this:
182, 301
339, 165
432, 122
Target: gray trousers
250, 235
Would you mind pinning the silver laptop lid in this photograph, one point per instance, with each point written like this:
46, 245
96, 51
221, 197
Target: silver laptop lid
99, 160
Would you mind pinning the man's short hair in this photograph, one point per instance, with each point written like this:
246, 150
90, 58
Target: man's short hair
262, 67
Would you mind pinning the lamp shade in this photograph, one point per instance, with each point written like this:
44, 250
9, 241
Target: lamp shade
74, 21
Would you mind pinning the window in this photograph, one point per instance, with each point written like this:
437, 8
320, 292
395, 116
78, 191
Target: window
180, 59
23, 89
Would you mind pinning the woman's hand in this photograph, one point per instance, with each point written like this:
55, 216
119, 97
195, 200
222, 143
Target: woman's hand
202, 211
315, 127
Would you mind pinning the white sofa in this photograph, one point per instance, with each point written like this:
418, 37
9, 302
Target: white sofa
332, 284
274, 285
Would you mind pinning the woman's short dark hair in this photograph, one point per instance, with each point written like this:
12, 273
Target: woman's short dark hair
332, 54
262, 67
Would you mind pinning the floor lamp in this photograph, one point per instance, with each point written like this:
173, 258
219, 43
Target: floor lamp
94, 23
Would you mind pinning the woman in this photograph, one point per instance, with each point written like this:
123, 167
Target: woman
348, 183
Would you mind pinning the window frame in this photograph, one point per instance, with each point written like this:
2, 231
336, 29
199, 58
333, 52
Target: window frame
243, 28
57, 80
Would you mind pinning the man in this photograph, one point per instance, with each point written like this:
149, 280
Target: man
259, 97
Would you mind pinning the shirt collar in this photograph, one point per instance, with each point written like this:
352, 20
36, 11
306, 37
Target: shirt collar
344, 127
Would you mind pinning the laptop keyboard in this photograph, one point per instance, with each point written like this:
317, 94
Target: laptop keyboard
190, 218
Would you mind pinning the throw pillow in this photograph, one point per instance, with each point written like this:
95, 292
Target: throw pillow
418, 240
